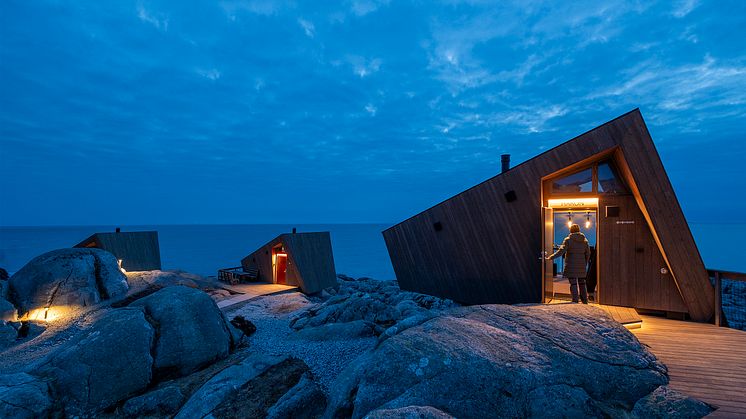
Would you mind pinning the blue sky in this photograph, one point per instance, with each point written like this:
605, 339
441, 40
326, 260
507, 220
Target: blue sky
151, 112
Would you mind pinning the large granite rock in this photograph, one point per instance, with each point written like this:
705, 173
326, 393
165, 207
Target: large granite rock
225, 383
23, 396
7, 311
260, 385
666, 403
504, 361
109, 362
67, 277
8, 334
161, 402
191, 330
734, 303
378, 304
409, 412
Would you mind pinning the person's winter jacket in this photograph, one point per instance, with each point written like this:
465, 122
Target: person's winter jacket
577, 252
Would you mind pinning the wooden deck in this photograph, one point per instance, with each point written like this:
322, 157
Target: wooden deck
704, 361
251, 290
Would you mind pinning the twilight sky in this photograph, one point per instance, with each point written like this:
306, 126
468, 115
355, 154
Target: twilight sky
147, 112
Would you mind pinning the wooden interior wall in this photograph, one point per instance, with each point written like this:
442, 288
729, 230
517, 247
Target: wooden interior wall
630, 262
138, 250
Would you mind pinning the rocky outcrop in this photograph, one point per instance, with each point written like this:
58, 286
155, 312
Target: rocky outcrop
504, 361
734, 303
377, 304
666, 403
7, 311
161, 402
191, 330
258, 386
409, 412
8, 334
110, 361
66, 277
23, 396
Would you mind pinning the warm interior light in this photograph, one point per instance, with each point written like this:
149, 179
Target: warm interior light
573, 203
587, 220
569, 219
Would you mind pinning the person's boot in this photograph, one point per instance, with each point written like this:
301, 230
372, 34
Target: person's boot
583, 292
574, 291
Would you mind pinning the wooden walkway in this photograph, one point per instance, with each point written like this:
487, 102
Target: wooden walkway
250, 290
704, 361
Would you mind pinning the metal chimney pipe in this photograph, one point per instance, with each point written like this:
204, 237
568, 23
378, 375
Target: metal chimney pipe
505, 159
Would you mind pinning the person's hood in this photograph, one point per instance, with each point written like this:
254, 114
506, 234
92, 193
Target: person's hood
577, 237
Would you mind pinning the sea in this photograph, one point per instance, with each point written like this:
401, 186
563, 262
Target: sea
359, 249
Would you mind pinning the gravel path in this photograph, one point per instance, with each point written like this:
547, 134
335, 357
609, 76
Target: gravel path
272, 314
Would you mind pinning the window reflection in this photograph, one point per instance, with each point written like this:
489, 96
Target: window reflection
577, 182
608, 181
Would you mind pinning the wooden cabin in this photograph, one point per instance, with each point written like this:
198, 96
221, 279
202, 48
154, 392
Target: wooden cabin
486, 244
301, 259
136, 250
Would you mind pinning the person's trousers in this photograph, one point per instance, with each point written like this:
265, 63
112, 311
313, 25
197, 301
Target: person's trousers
576, 283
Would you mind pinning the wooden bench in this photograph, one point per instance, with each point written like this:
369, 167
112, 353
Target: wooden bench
235, 275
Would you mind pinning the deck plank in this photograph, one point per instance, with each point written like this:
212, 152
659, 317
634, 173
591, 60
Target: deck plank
704, 361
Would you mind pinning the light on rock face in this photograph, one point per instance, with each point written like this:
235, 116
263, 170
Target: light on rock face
119, 262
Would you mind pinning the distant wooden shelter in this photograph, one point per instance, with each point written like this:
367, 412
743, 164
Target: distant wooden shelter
301, 259
486, 244
137, 250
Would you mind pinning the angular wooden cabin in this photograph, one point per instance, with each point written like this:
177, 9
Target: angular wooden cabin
137, 250
485, 245
301, 259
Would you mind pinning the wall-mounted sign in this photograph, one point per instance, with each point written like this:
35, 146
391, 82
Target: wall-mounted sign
626, 222
574, 203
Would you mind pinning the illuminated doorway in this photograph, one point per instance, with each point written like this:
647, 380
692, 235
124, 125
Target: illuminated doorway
279, 265
558, 217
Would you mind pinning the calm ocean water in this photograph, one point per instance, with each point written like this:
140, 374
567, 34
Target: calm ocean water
359, 249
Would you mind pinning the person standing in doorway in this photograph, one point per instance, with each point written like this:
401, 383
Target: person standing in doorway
576, 250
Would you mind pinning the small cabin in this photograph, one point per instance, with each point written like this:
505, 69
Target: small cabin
135, 250
487, 244
304, 260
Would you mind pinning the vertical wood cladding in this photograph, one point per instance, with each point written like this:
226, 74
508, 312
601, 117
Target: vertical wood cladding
487, 250
138, 250
310, 260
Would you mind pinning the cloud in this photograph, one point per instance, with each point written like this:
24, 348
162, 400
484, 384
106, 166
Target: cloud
258, 7
159, 22
364, 7
371, 109
211, 74
308, 27
684, 7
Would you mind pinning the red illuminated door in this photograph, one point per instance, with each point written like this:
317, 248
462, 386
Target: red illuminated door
281, 267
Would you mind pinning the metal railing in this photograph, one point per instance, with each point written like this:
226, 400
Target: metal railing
718, 277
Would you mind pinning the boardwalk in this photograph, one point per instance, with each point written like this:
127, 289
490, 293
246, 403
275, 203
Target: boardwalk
251, 290
704, 361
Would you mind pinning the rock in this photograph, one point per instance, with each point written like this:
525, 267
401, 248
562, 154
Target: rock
277, 385
504, 361
162, 279
3, 274
409, 412
665, 402
109, 362
734, 303
304, 400
190, 328
212, 393
247, 327
23, 396
161, 403
8, 334
379, 303
67, 278
4, 288
7, 311
337, 331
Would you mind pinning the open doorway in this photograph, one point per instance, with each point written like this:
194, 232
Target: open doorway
558, 218
279, 265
